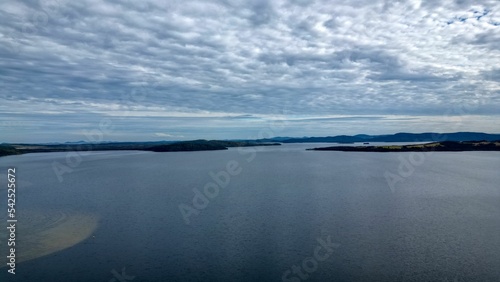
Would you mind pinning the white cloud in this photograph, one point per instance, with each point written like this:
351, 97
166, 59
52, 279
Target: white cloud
209, 59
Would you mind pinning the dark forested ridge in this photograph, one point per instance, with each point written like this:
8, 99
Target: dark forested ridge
445, 146
398, 137
6, 150
204, 145
195, 145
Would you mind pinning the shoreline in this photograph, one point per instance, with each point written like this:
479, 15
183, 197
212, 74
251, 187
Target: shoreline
445, 146
184, 146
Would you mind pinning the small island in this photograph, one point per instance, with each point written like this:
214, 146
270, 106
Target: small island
444, 146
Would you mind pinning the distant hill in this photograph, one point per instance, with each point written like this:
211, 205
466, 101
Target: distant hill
6, 150
204, 145
163, 146
197, 145
398, 137
445, 146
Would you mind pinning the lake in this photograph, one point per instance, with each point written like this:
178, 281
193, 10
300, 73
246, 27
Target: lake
276, 213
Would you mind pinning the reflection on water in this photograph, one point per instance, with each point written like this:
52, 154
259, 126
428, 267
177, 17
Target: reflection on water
440, 224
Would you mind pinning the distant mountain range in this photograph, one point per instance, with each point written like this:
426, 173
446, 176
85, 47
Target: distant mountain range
203, 145
398, 137
359, 138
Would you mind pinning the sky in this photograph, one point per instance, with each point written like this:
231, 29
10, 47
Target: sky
127, 70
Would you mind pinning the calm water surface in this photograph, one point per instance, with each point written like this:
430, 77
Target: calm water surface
115, 210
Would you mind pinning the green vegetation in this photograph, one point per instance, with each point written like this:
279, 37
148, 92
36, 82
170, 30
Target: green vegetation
6, 150
204, 145
196, 145
445, 146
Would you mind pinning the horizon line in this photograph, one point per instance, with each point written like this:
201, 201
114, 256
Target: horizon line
244, 139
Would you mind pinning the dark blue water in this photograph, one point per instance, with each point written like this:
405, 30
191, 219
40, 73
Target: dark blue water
268, 219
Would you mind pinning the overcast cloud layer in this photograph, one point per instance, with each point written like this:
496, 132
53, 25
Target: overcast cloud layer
163, 70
